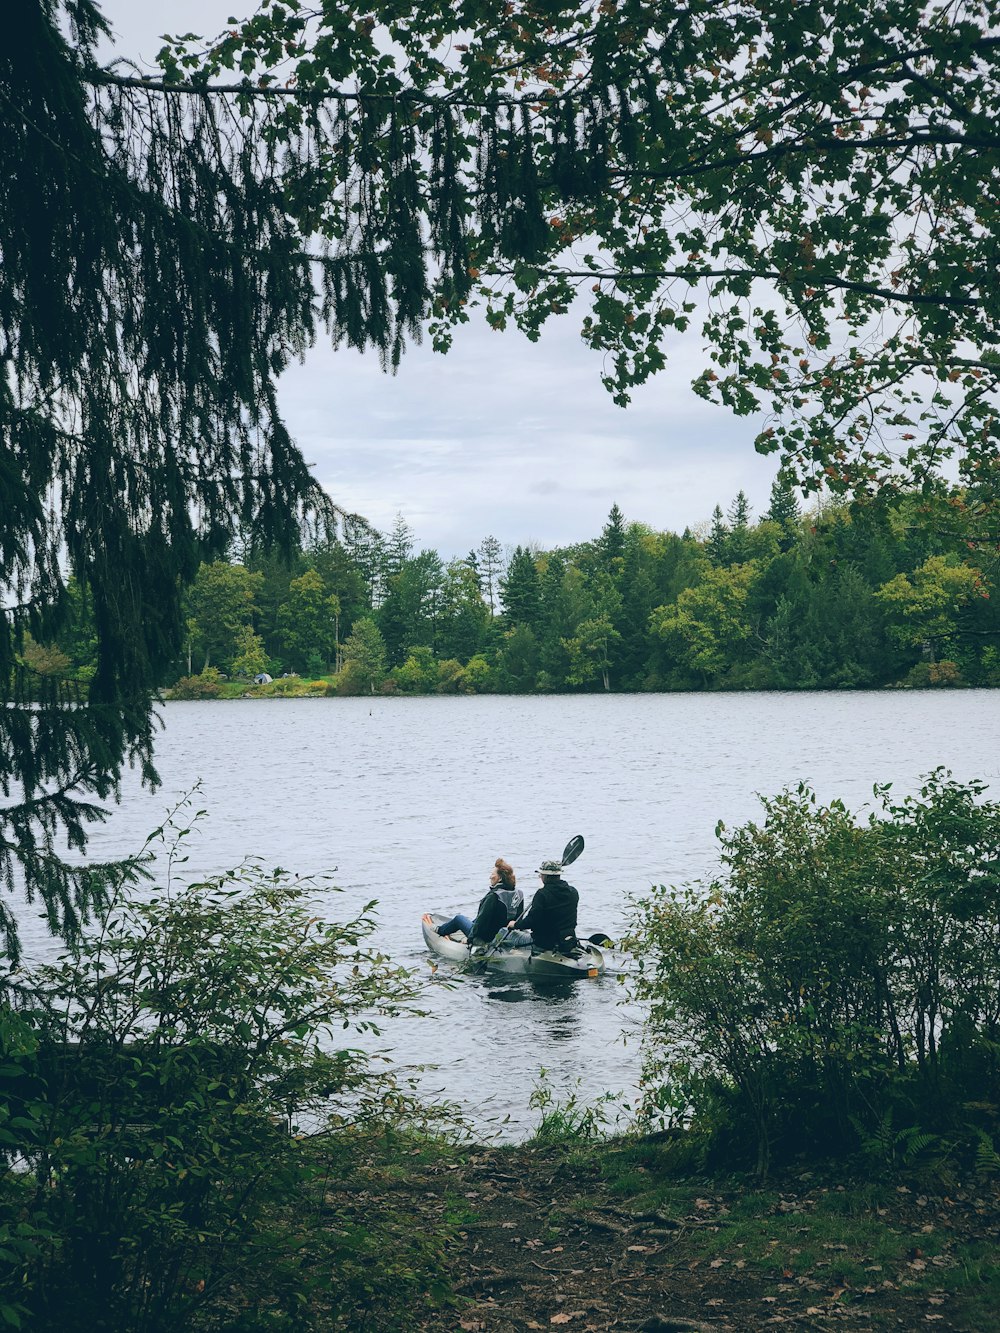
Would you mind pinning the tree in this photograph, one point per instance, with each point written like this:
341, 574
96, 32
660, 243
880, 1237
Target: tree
637, 601
250, 657
611, 543
364, 658
489, 567
410, 613
784, 507
707, 628
776, 170
738, 546
464, 615
397, 548
220, 604
521, 590
154, 287
308, 620
518, 660
717, 545
590, 651
924, 608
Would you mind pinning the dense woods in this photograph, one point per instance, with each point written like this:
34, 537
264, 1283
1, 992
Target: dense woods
827, 599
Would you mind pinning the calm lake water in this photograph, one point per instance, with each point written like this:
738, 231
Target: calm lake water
411, 800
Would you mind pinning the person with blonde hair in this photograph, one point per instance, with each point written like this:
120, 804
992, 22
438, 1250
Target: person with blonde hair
502, 903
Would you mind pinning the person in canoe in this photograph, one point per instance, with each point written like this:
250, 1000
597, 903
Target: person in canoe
503, 903
552, 916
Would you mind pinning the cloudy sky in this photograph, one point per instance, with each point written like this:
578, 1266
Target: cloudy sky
501, 436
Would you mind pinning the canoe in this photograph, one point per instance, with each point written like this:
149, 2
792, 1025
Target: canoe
522, 959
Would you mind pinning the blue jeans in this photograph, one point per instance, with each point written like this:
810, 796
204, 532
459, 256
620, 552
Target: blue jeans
458, 922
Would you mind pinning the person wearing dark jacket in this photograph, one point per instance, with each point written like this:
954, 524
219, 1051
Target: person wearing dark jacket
502, 903
552, 918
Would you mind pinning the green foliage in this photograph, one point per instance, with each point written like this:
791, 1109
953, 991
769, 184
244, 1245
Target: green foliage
557, 151
173, 1086
840, 978
206, 685
250, 658
419, 674
307, 622
841, 599
364, 659
220, 604
153, 290
572, 1119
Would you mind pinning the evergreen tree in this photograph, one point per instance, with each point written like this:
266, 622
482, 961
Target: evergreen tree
784, 507
738, 543
611, 543
521, 590
397, 548
717, 545
410, 613
637, 602
464, 615
366, 547
490, 567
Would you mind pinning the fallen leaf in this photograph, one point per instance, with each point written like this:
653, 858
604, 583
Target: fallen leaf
562, 1318
716, 1263
702, 1204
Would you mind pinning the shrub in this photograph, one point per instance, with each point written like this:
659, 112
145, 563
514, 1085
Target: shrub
837, 974
204, 686
172, 1087
926, 675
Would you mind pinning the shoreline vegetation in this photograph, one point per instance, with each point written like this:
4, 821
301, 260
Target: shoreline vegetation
192, 1138
842, 597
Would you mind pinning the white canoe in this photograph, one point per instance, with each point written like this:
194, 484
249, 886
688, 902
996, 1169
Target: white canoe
521, 959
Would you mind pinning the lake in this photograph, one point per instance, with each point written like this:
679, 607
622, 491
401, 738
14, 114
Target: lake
410, 800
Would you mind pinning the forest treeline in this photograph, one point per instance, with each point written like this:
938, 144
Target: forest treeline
840, 597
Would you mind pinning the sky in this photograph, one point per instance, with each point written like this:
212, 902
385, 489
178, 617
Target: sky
501, 436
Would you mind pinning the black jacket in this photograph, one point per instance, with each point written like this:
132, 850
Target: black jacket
499, 906
552, 918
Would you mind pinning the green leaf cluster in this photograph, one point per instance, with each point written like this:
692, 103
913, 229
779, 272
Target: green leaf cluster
836, 986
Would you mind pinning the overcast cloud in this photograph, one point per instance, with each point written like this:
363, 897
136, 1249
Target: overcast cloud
501, 436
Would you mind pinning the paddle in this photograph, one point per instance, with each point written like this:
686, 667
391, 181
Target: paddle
570, 852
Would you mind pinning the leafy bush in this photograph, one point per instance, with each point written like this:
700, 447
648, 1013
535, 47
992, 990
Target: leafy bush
168, 1132
837, 978
204, 686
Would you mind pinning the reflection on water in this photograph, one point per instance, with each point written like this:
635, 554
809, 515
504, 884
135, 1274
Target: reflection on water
413, 799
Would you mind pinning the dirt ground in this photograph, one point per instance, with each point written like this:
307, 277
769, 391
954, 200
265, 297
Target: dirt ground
543, 1243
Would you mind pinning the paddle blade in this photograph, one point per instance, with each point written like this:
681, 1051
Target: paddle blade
572, 850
